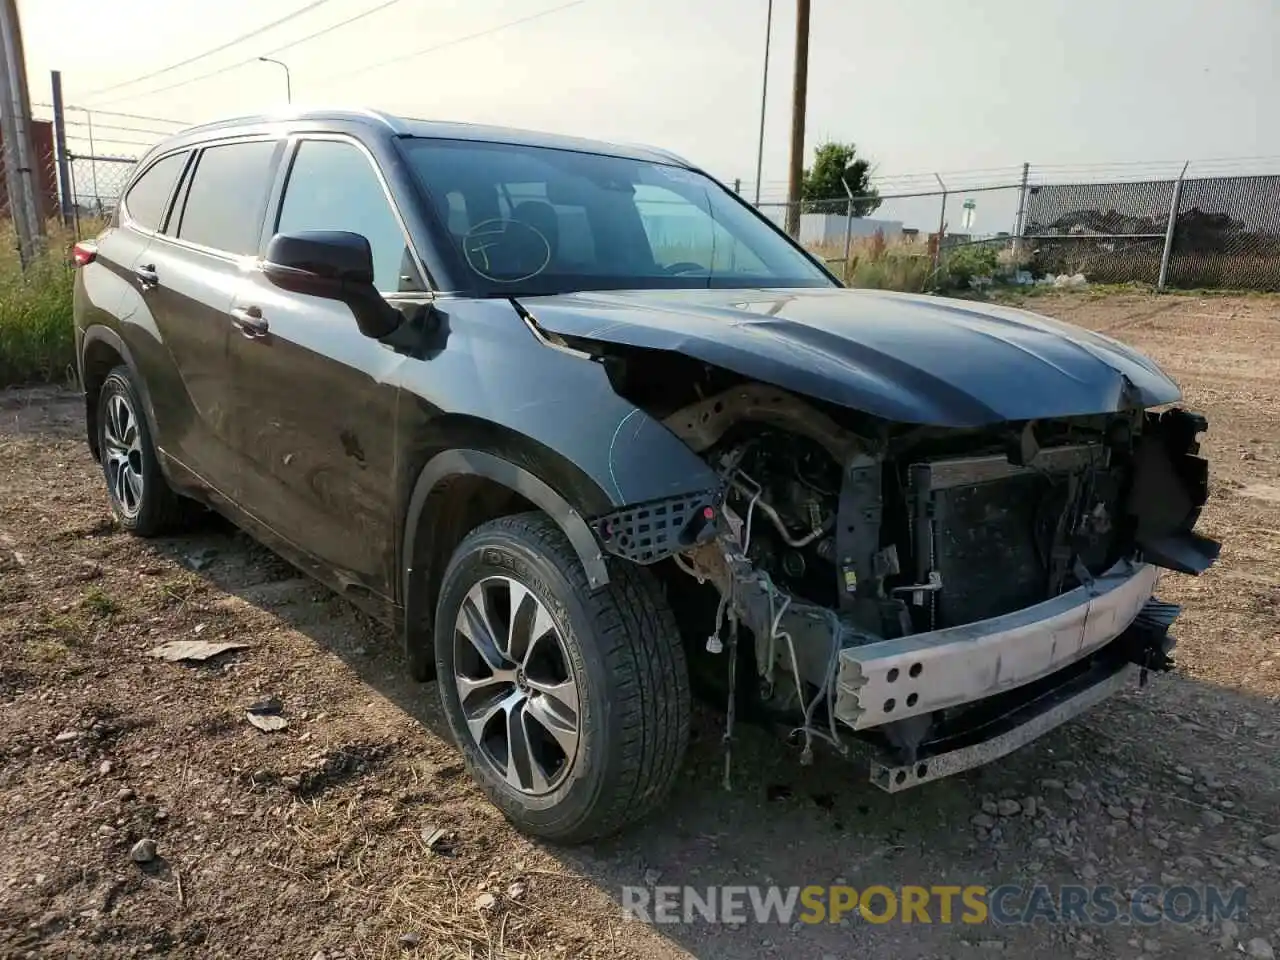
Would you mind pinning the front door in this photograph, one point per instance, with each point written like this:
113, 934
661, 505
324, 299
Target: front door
316, 400
188, 274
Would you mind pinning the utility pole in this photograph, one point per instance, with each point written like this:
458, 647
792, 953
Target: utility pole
21, 173
60, 148
799, 94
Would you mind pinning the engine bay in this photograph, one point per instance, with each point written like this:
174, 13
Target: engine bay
832, 532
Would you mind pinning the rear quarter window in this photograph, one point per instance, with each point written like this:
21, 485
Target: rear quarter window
148, 198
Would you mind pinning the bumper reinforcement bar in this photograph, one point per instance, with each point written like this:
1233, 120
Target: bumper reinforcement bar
890, 680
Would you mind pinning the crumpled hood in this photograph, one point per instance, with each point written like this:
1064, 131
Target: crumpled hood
903, 357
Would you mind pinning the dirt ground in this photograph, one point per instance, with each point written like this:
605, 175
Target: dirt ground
312, 841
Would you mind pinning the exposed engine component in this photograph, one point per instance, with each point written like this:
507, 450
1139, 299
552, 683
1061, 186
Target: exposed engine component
793, 483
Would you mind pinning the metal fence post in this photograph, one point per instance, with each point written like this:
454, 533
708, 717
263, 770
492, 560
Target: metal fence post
848, 226
93, 163
1171, 228
1022, 208
942, 225
75, 206
65, 197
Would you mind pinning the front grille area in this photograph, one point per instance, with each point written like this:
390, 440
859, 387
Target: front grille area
986, 530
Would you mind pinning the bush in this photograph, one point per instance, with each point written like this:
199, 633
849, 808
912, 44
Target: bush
965, 263
36, 339
895, 269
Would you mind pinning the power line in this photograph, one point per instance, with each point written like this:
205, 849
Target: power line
117, 113
449, 43
254, 59
113, 140
218, 49
112, 126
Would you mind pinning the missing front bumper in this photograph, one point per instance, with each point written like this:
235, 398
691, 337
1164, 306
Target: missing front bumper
891, 680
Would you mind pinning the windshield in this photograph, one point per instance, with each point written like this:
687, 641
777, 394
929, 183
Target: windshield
535, 220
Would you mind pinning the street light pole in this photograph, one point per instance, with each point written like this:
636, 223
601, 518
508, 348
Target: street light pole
288, 86
764, 97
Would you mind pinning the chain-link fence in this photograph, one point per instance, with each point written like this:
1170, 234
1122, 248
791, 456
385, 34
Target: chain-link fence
1109, 232
1227, 234
909, 240
1225, 231
96, 184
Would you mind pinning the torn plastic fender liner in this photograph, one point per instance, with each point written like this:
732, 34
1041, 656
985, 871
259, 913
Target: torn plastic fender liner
648, 532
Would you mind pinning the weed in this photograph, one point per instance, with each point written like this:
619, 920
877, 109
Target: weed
46, 650
99, 604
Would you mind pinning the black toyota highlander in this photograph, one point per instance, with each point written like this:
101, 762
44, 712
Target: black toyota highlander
590, 434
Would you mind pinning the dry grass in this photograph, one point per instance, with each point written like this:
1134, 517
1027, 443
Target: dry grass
36, 341
881, 265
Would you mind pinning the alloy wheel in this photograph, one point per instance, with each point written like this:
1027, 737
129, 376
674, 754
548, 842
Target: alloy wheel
516, 685
123, 454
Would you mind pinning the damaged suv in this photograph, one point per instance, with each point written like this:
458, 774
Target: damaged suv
593, 434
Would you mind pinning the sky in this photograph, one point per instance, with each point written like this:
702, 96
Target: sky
1075, 87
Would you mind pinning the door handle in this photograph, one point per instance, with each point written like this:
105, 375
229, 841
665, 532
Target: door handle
147, 277
250, 322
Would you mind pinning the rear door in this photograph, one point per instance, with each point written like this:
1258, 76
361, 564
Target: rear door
117, 295
315, 399
188, 275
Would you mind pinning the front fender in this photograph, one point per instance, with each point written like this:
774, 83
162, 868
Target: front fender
478, 463
494, 371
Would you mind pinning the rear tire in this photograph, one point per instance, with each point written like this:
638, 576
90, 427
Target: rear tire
579, 728
140, 496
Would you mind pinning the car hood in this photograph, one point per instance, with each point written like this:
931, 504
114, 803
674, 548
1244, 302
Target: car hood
907, 358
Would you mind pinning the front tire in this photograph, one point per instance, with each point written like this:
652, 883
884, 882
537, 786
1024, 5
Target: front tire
139, 495
571, 708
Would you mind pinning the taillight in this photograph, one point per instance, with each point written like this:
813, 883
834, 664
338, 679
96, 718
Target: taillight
84, 252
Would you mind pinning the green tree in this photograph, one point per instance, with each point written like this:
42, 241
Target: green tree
835, 162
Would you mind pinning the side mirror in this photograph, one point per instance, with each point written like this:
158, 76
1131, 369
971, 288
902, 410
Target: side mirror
333, 264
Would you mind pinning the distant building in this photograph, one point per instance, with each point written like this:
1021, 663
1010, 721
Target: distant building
828, 229
42, 140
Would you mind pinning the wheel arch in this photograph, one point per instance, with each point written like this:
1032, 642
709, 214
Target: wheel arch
101, 351
459, 488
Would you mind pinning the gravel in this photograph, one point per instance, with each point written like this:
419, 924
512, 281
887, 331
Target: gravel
144, 851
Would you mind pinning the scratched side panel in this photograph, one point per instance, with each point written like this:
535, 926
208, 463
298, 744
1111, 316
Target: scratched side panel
313, 406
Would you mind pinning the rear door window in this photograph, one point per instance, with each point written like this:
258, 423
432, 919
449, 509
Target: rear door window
149, 196
228, 196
